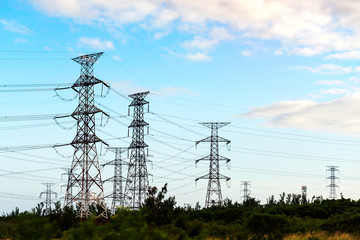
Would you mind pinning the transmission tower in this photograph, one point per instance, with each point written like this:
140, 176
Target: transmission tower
137, 182
332, 177
304, 194
85, 187
48, 193
246, 191
213, 195
117, 196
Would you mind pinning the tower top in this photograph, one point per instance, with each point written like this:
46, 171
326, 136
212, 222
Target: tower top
88, 59
214, 124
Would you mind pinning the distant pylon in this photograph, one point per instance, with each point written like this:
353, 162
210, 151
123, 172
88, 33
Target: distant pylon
304, 194
332, 177
213, 195
48, 193
117, 196
246, 191
85, 187
137, 181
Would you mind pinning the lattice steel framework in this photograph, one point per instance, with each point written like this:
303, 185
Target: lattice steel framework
333, 178
48, 193
303, 194
117, 196
85, 187
213, 195
246, 191
137, 181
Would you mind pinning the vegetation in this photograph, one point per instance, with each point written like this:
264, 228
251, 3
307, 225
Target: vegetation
289, 218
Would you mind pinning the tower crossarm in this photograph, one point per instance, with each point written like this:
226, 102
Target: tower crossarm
208, 176
85, 81
115, 179
208, 157
139, 99
113, 162
213, 139
214, 124
89, 59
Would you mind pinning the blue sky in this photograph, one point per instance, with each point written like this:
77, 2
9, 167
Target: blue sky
284, 73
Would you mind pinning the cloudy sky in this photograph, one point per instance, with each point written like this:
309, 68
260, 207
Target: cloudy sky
284, 73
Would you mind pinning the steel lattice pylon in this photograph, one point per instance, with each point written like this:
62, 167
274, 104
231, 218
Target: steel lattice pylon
117, 196
303, 194
48, 194
332, 185
85, 187
246, 185
137, 182
213, 195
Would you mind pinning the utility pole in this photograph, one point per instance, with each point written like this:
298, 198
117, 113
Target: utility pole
137, 182
85, 187
48, 193
117, 196
246, 191
332, 177
213, 195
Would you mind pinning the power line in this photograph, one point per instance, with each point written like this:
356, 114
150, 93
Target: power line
341, 141
129, 71
292, 155
296, 135
29, 117
33, 85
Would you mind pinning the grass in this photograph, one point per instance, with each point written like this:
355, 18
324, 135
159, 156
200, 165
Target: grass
322, 236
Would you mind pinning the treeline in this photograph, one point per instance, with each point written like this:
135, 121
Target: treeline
160, 218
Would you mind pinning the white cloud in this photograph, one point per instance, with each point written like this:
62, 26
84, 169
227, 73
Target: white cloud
354, 79
306, 51
357, 69
334, 91
246, 53
330, 82
216, 35
304, 27
117, 58
336, 116
326, 69
160, 35
20, 40
14, 26
95, 43
198, 57
350, 55
200, 43
206, 44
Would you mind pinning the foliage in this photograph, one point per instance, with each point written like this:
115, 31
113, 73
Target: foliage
290, 217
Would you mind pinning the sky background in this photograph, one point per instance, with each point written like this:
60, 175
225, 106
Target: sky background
284, 73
